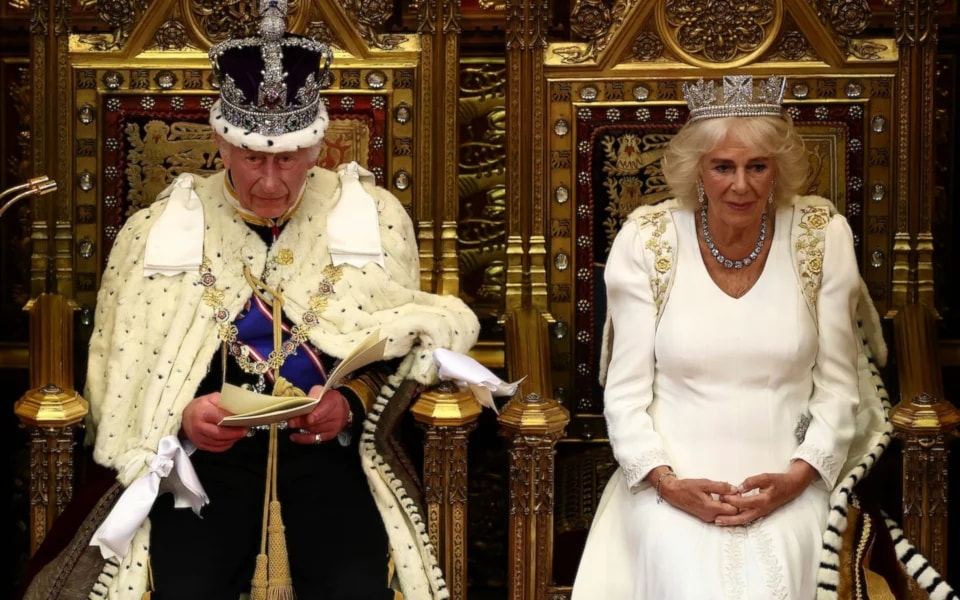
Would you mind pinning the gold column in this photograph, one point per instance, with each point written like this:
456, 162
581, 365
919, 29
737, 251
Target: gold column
533, 424
526, 29
50, 410
924, 422
914, 177
448, 415
437, 172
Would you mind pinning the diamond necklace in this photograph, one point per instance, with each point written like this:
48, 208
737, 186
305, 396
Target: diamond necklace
723, 260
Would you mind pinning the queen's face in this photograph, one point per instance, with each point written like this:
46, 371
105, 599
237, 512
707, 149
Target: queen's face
267, 184
737, 181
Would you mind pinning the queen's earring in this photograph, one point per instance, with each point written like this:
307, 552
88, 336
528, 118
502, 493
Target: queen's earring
701, 194
770, 197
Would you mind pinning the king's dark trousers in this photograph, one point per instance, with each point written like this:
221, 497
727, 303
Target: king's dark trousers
335, 537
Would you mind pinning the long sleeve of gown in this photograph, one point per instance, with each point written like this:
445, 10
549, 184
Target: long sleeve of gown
833, 403
637, 447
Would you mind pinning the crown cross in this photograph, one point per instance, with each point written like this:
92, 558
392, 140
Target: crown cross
737, 98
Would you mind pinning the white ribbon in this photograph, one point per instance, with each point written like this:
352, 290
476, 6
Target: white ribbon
467, 372
175, 242
170, 471
353, 226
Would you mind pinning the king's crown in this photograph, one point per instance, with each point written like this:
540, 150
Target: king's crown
737, 98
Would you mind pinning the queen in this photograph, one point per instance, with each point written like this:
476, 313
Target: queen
732, 387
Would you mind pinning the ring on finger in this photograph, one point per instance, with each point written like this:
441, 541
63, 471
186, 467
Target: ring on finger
316, 438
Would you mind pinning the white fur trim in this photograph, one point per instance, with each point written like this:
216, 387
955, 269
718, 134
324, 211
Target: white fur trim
413, 554
287, 142
917, 566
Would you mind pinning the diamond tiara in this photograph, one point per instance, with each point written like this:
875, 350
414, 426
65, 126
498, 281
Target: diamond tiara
737, 97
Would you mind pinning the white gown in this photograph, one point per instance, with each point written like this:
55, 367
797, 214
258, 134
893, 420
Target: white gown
733, 380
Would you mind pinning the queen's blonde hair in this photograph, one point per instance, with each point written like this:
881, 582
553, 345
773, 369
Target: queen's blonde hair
771, 136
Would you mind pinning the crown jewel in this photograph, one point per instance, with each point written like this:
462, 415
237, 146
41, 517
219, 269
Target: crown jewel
737, 98
271, 84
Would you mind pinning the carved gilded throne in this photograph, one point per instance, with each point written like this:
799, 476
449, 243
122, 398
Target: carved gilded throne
124, 112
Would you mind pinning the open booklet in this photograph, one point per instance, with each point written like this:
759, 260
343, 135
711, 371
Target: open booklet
250, 408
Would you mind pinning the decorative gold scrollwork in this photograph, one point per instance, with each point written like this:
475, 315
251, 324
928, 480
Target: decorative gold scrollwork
720, 30
593, 21
121, 16
370, 15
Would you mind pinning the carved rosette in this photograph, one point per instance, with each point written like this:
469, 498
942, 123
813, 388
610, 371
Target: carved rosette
590, 20
172, 35
720, 31
793, 46
647, 47
847, 17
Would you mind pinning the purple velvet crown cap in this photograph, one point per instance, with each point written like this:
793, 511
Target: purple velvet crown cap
300, 58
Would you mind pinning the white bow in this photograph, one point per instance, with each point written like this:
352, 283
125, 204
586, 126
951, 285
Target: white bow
170, 471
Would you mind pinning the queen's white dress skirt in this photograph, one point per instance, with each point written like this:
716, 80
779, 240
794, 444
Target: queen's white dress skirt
721, 388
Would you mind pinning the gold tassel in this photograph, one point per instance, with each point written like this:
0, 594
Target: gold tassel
258, 587
281, 584
271, 578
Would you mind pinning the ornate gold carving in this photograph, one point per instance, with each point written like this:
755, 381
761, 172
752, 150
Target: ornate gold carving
862, 49
534, 425
581, 478
647, 47
593, 21
120, 15
848, 19
721, 31
793, 46
590, 19
369, 15
160, 151
171, 35
448, 415
38, 17
482, 192
321, 30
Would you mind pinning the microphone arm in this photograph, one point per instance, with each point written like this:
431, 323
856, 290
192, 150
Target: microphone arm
38, 186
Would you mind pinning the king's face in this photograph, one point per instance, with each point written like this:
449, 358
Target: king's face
267, 184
